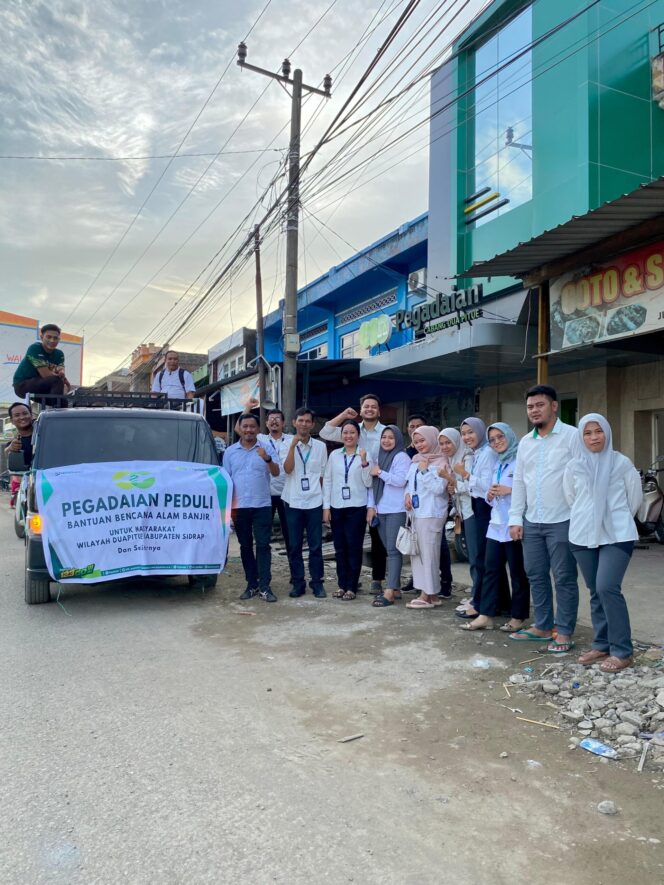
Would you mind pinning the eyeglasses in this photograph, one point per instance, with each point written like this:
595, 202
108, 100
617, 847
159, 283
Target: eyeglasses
496, 439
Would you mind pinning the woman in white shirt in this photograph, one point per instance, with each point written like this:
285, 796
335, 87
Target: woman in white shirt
500, 548
426, 500
476, 481
603, 489
386, 503
345, 490
455, 450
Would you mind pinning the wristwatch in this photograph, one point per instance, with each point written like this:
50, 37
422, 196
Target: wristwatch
268, 460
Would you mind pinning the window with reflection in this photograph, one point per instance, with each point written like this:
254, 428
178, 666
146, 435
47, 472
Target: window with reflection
503, 119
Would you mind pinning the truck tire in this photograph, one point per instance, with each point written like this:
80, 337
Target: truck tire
205, 582
461, 547
37, 590
19, 528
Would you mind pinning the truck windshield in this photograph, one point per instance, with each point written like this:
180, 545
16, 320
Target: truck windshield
94, 438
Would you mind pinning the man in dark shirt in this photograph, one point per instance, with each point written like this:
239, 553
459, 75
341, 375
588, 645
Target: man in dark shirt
414, 421
42, 369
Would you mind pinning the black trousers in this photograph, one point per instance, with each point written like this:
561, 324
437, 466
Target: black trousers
348, 527
480, 524
378, 556
279, 506
53, 384
497, 555
445, 565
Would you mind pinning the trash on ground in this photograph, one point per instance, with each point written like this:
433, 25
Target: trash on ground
350, 737
598, 748
607, 807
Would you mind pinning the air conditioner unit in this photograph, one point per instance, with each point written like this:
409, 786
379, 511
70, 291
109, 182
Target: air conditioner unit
417, 280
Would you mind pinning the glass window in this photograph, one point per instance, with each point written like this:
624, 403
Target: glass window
316, 353
350, 345
503, 116
240, 363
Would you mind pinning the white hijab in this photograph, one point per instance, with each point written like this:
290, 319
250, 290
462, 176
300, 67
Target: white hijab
600, 469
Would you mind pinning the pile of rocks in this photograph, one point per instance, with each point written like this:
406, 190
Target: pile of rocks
624, 710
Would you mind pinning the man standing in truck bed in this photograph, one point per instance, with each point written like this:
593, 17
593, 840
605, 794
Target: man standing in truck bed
42, 369
177, 383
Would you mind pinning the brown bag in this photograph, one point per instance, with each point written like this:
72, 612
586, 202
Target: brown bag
458, 524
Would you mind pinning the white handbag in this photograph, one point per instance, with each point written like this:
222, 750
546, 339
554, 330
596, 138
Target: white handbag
407, 539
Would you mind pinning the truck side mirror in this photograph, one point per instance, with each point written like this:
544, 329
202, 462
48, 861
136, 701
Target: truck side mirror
16, 462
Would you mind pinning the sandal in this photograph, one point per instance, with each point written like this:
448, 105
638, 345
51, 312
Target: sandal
560, 648
338, 594
382, 601
524, 635
612, 664
512, 626
591, 657
419, 603
472, 626
349, 595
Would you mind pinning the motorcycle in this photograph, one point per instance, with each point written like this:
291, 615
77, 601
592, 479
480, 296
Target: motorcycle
650, 515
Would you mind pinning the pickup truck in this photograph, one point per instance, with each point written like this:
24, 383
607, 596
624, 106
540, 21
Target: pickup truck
65, 437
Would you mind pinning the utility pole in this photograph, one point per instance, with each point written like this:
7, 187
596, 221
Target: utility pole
260, 341
290, 333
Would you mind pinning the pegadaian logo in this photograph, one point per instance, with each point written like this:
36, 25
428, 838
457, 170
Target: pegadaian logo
124, 479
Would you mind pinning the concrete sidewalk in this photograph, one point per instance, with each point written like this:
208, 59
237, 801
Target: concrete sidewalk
643, 588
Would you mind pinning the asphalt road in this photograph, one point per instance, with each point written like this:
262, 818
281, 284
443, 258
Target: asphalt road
152, 734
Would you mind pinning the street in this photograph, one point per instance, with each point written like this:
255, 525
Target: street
155, 734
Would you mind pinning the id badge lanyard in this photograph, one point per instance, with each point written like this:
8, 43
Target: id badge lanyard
415, 498
345, 489
304, 480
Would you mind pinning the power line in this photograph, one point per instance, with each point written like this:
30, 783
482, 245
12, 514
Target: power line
130, 159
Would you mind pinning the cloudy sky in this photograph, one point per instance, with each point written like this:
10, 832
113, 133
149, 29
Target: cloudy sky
121, 82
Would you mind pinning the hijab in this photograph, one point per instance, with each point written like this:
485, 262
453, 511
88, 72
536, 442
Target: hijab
434, 457
512, 442
386, 458
597, 468
479, 428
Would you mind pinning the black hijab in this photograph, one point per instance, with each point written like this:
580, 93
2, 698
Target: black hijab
385, 459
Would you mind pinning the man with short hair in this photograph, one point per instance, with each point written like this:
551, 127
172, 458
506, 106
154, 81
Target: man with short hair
175, 382
414, 421
277, 443
539, 515
250, 467
42, 369
304, 466
370, 433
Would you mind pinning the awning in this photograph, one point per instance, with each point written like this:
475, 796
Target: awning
634, 216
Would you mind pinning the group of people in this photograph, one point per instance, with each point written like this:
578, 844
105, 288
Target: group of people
535, 508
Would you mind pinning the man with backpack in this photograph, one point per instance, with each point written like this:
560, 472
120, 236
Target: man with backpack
177, 383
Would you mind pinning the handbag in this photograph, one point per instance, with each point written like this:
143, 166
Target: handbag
407, 539
458, 518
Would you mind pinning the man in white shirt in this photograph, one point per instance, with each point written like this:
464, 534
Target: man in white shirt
370, 433
277, 443
177, 383
539, 515
304, 466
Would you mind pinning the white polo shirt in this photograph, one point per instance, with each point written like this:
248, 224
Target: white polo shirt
310, 461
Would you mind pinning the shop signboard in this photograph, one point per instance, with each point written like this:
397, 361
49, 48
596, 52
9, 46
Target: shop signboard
443, 312
17, 333
612, 301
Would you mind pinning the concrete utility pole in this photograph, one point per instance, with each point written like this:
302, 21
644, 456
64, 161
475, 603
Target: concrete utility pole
260, 341
290, 334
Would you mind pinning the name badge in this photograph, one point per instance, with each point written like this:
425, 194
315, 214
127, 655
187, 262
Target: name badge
304, 483
415, 501
345, 493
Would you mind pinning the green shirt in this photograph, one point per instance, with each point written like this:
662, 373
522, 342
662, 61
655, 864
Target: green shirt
37, 357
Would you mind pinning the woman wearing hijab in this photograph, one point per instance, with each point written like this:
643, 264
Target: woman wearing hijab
476, 481
452, 446
604, 492
500, 548
345, 494
386, 502
426, 500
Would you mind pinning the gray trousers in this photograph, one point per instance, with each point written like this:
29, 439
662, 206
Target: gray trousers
546, 551
426, 565
388, 529
603, 569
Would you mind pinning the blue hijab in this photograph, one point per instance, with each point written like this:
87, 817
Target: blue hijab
512, 442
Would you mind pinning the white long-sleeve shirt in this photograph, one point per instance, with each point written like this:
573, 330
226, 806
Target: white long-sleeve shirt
499, 525
392, 499
431, 490
623, 500
462, 499
369, 439
278, 451
334, 480
540, 464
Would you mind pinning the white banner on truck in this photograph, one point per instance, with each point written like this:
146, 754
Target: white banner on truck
101, 522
